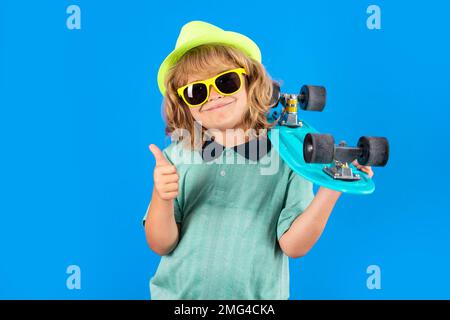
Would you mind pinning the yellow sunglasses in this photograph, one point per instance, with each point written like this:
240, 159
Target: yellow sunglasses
226, 83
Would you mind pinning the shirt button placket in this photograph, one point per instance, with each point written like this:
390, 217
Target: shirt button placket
225, 161
220, 181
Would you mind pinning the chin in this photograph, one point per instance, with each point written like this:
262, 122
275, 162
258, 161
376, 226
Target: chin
227, 119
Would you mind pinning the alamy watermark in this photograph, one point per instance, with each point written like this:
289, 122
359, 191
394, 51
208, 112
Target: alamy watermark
256, 148
73, 281
373, 22
73, 21
374, 279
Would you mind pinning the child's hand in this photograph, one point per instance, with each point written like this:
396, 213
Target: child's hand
366, 169
165, 175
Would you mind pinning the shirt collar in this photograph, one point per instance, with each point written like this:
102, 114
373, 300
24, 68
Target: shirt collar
253, 149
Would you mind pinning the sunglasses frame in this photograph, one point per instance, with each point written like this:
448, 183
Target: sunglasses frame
208, 83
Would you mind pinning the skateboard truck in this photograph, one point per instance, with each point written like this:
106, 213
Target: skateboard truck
310, 98
320, 148
340, 170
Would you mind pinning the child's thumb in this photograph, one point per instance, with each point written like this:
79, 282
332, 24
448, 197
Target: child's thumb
159, 157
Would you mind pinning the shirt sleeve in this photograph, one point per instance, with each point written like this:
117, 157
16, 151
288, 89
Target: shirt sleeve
299, 194
176, 205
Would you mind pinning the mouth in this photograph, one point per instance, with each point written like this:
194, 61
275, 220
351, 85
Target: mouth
219, 106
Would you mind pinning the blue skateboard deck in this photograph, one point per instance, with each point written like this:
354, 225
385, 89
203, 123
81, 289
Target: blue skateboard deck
288, 141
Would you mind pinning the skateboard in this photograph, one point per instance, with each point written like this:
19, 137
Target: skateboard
315, 156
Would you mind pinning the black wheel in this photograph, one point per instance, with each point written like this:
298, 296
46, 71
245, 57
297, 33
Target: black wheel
318, 148
312, 98
275, 94
375, 151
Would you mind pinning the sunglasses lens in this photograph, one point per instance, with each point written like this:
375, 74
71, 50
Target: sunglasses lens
228, 83
195, 94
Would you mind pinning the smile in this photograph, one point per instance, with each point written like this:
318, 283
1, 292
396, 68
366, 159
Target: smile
219, 106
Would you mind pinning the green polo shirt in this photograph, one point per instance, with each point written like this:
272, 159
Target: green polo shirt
233, 208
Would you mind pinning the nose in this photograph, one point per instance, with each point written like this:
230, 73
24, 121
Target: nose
213, 94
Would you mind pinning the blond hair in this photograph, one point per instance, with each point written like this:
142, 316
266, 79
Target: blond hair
217, 57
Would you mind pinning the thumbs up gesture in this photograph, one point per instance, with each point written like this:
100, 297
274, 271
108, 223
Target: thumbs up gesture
165, 175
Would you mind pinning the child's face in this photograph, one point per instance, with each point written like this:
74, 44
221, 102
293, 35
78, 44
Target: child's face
220, 112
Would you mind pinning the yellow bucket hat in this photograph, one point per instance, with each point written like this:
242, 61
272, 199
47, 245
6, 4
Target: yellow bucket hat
196, 33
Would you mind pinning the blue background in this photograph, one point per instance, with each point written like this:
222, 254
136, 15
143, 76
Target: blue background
80, 107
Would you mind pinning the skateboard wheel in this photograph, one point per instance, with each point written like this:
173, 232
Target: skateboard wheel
275, 94
312, 98
318, 148
374, 151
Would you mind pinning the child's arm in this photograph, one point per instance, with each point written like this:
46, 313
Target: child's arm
308, 227
161, 229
